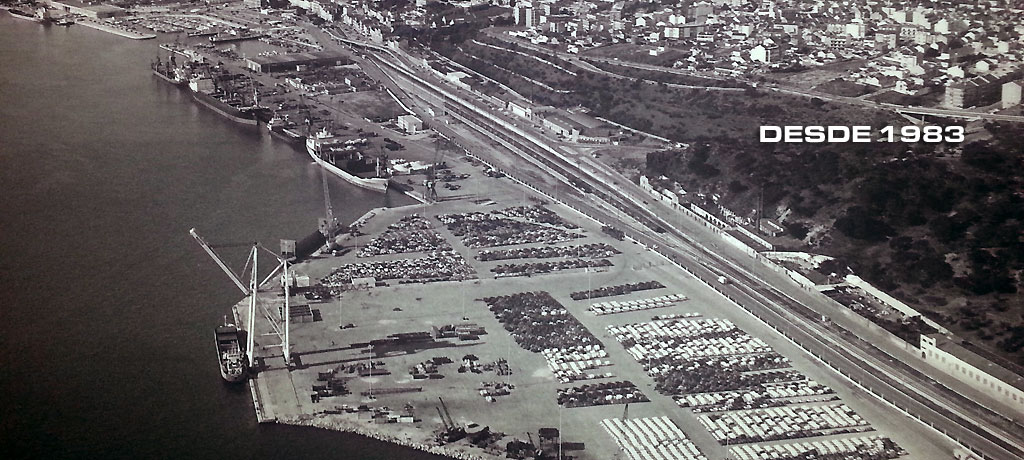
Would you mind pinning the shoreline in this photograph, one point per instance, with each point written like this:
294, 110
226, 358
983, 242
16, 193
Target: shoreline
342, 425
113, 30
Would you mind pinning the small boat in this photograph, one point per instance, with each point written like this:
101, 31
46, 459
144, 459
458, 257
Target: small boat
230, 354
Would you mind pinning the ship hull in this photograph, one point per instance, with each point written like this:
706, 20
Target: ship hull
27, 16
231, 378
168, 79
224, 109
376, 184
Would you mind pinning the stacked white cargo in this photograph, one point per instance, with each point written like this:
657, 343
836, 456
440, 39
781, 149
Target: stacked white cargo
654, 438
608, 308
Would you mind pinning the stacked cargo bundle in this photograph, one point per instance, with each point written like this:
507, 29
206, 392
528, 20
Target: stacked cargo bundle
863, 447
608, 308
600, 394
778, 423
654, 438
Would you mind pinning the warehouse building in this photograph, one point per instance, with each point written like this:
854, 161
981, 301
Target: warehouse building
89, 11
295, 61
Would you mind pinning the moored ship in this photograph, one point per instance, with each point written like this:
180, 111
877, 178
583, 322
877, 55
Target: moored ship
229, 353
341, 158
40, 15
214, 88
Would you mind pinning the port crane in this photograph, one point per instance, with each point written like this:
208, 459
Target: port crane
281, 327
452, 432
440, 146
328, 224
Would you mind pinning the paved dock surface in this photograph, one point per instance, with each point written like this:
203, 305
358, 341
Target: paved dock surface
324, 345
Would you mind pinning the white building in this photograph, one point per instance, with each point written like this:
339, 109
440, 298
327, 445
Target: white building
410, 124
985, 376
1012, 93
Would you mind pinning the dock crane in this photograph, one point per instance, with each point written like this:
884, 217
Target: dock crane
328, 224
446, 413
443, 421
452, 432
251, 290
440, 145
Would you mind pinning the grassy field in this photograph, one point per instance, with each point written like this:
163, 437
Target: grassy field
375, 105
638, 53
841, 87
818, 75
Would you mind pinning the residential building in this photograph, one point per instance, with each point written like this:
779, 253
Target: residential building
1012, 93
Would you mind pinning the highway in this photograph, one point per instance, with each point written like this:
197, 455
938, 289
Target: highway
612, 200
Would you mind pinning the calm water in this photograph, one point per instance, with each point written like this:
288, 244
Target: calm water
106, 303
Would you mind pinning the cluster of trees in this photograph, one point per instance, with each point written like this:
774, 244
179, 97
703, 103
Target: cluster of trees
901, 214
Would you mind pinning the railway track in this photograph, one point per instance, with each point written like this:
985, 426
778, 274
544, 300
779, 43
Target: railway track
775, 308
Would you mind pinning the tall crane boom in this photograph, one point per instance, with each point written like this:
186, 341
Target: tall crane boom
250, 330
220, 262
443, 406
443, 421
329, 227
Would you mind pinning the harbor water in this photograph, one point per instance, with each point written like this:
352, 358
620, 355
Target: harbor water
108, 306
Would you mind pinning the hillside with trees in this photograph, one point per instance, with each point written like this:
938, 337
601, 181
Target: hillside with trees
938, 226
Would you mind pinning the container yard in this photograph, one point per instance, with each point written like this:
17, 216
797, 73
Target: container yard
618, 358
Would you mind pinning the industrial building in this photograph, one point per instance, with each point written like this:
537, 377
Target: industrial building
987, 377
90, 11
410, 124
295, 61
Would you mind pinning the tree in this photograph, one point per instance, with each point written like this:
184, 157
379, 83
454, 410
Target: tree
860, 224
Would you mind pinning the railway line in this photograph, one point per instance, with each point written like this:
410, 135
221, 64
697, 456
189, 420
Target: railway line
784, 313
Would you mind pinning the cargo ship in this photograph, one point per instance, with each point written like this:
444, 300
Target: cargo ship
169, 72
40, 15
229, 353
234, 36
343, 159
215, 103
212, 88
